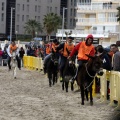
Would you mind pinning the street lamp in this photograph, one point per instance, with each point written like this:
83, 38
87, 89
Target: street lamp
11, 23
63, 21
16, 34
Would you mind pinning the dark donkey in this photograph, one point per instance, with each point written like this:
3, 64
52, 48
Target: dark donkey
68, 73
52, 68
86, 76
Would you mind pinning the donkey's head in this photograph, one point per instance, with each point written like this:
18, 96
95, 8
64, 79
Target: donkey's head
95, 64
54, 57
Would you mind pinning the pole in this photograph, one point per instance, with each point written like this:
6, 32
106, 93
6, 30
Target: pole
11, 25
63, 21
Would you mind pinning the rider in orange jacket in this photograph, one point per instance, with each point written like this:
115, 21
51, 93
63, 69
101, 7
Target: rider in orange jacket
83, 48
66, 48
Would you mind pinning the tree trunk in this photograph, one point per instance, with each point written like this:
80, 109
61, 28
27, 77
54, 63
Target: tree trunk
49, 38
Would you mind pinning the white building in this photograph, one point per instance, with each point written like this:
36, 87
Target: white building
97, 17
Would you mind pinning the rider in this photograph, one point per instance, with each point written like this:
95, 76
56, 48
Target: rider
84, 47
11, 48
55, 44
66, 48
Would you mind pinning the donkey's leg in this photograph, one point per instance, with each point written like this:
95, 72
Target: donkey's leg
14, 72
72, 86
86, 93
63, 84
91, 98
66, 85
50, 78
82, 94
54, 75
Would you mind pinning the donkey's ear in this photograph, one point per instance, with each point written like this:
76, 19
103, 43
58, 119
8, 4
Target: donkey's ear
89, 56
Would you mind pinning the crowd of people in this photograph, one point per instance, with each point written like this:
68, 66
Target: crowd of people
66, 50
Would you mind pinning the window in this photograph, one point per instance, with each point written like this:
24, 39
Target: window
47, 9
18, 7
70, 22
18, 18
71, 2
2, 17
38, 18
35, 17
39, 8
17, 28
35, 8
23, 7
71, 12
56, 10
2, 6
50, 9
27, 8
22, 17
27, 17
27, 0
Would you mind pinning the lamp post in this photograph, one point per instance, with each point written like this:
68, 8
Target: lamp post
63, 21
11, 23
16, 34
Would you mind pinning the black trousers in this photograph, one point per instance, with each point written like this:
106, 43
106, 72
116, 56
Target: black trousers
18, 62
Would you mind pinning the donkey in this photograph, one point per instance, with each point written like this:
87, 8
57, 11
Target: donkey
52, 68
86, 76
68, 73
14, 64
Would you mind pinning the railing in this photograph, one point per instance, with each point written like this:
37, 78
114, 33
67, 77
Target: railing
83, 31
94, 20
96, 7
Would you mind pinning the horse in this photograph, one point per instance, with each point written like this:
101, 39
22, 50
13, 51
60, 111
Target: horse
86, 74
68, 73
14, 64
52, 68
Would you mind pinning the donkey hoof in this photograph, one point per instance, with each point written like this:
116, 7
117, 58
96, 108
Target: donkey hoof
49, 85
82, 103
91, 103
66, 90
14, 77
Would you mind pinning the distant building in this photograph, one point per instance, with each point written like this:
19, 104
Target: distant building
24, 10
97, 17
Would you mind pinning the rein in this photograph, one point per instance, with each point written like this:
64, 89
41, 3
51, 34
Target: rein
88, 72
89, 76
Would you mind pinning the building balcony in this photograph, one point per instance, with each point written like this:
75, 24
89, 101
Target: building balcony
94, 21
84, 33
93, 8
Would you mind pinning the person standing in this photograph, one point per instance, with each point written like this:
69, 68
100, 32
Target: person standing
1, 53
116, 57
21, 54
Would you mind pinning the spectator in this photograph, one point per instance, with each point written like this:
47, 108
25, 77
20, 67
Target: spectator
116, 57
21, 54
1, 53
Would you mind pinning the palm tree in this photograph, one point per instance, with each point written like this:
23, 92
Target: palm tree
32, 26
51, 23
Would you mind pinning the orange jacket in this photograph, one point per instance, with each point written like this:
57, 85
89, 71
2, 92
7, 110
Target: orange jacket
54, 47
84, 49
48, 50
67, 47
13, 48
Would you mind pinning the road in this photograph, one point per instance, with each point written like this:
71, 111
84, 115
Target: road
29, 97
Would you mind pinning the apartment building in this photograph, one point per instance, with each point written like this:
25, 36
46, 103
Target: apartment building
97, 17
23, 10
